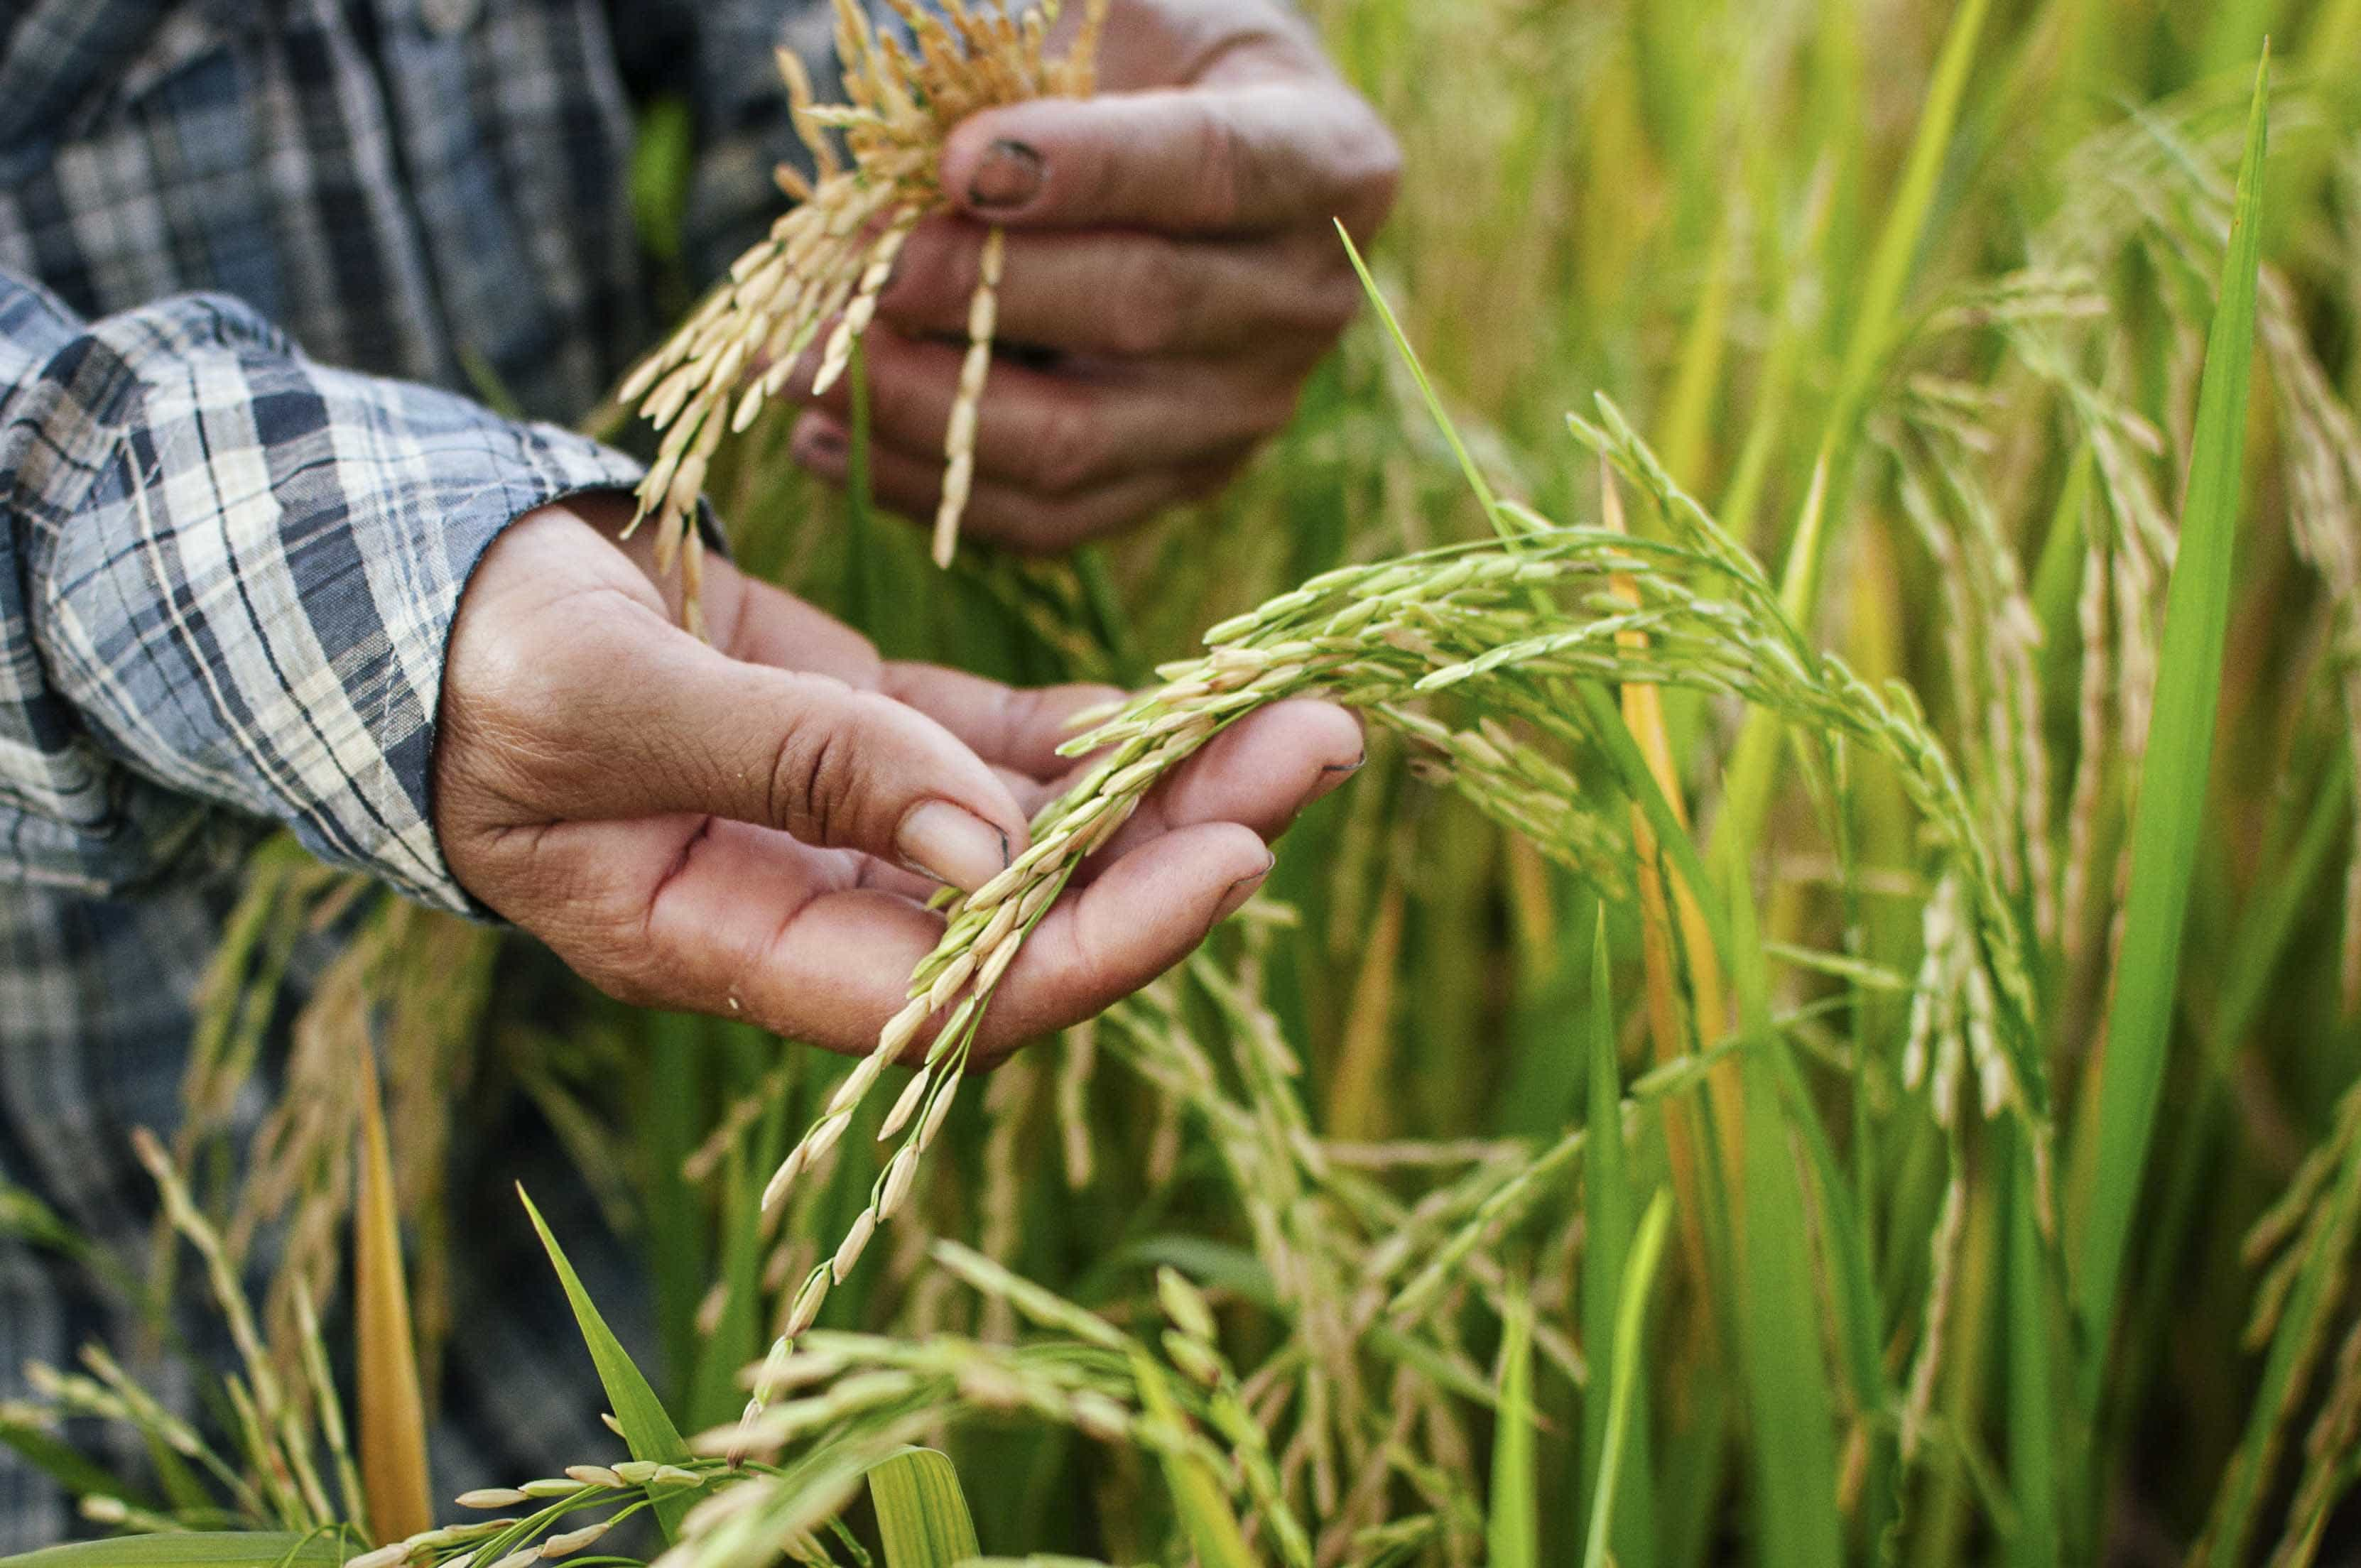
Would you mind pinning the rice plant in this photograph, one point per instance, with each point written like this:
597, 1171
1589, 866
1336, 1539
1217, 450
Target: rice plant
1819, 1036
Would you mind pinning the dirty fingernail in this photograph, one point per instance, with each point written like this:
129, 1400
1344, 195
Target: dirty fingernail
951, 844
823, 444
1335, 773
1010, 175
1245, 888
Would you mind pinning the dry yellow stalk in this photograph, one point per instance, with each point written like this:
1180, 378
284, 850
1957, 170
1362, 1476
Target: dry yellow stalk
392, 1406
830, 258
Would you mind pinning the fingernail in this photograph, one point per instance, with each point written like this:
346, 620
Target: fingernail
824, 444
1245, 888
951, 844
1335, 773
1010, 175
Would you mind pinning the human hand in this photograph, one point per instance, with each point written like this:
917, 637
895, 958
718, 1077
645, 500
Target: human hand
1172, 271
745, 828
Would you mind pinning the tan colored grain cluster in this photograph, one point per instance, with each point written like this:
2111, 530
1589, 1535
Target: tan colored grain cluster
826, 259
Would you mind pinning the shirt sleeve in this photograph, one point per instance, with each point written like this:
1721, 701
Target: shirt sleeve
227, 575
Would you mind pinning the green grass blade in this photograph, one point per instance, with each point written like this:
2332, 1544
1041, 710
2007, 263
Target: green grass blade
1624, 1399
194, 1550
1877, 321
1792, 1406
922, 1514
1206, 1517
646, 1427
1512, 1533
2169, 814
2032, 1393
1607, 1245
1875, 328
65, 1464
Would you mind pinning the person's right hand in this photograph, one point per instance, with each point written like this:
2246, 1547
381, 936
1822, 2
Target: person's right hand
751, 829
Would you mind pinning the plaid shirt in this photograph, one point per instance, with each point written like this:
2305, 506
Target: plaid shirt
242, 243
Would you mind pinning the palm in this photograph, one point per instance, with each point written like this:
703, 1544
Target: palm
581, 737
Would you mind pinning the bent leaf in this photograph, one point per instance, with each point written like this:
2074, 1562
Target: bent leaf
921, 1512
646, 1426
193, 1550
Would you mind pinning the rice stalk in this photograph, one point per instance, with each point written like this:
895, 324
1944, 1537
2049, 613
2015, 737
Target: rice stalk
392, 1405
827, 261
1455, 620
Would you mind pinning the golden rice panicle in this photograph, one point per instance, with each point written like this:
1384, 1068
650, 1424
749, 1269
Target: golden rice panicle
828, 259
958, 441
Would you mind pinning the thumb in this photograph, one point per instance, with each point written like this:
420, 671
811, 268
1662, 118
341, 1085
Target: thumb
1195, 160
633, 718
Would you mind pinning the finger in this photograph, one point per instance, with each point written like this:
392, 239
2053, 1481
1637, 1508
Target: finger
1260, 773
1147, 912
1225, 160
619, 714
774, 627
749, 926
1129, 294
912, 484
1059, 434
1014, 727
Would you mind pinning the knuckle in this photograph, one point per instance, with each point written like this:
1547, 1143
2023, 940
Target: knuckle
1066, 449
1224, 159
1154, 315
823, 781
813, 780
804, 783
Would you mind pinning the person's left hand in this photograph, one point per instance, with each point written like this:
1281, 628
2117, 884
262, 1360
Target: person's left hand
1173, 274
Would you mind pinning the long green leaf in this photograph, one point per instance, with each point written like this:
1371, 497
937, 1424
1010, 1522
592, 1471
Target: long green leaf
2170, 812
1198, 1498
921, 1512
64, 1463
646, 1427
2032, 1391
1792, 1406
1606, 1242
195, 1549
1876, 324
1512, 1533
1624, 1398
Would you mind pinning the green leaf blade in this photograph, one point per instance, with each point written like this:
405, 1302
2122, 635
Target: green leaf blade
2170, 816
196, 1548
1608, 1224
647, 1427
922, 1514
1512, 1534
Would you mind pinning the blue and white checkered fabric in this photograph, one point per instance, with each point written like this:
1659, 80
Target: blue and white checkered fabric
242, 245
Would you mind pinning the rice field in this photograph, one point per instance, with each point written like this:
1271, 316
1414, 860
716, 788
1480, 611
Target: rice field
1824, 1033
